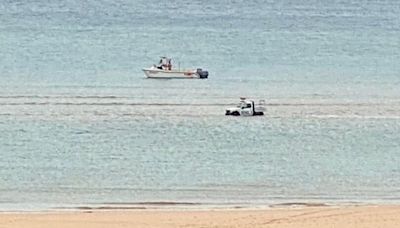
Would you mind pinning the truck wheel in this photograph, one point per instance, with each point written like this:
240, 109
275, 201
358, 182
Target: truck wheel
235, 113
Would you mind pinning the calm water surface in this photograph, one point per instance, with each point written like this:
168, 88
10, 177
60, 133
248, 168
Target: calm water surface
80, 125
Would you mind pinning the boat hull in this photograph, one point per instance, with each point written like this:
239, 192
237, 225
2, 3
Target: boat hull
170, 74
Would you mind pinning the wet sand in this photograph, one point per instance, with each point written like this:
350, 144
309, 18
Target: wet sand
310, 217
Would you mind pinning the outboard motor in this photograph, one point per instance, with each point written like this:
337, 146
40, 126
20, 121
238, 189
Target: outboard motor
202, 73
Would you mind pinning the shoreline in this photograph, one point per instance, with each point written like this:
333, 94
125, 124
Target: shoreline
301, 217
181, 206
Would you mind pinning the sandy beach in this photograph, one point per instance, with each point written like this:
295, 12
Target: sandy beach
349, 216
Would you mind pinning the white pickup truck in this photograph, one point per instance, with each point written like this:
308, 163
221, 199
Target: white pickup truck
247, 108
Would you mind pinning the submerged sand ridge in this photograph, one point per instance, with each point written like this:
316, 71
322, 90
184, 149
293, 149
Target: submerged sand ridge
310, 217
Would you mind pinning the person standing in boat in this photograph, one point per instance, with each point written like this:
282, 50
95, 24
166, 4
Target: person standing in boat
164, 64
169, 65
160, 64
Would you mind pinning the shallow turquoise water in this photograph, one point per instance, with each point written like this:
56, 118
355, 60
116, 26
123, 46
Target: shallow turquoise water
81, 126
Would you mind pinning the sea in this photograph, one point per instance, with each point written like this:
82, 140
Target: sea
81, 126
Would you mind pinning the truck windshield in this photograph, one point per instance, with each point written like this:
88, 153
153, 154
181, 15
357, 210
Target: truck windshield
244, 105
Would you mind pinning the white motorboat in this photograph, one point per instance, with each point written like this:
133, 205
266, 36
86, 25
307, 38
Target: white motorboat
164, 70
